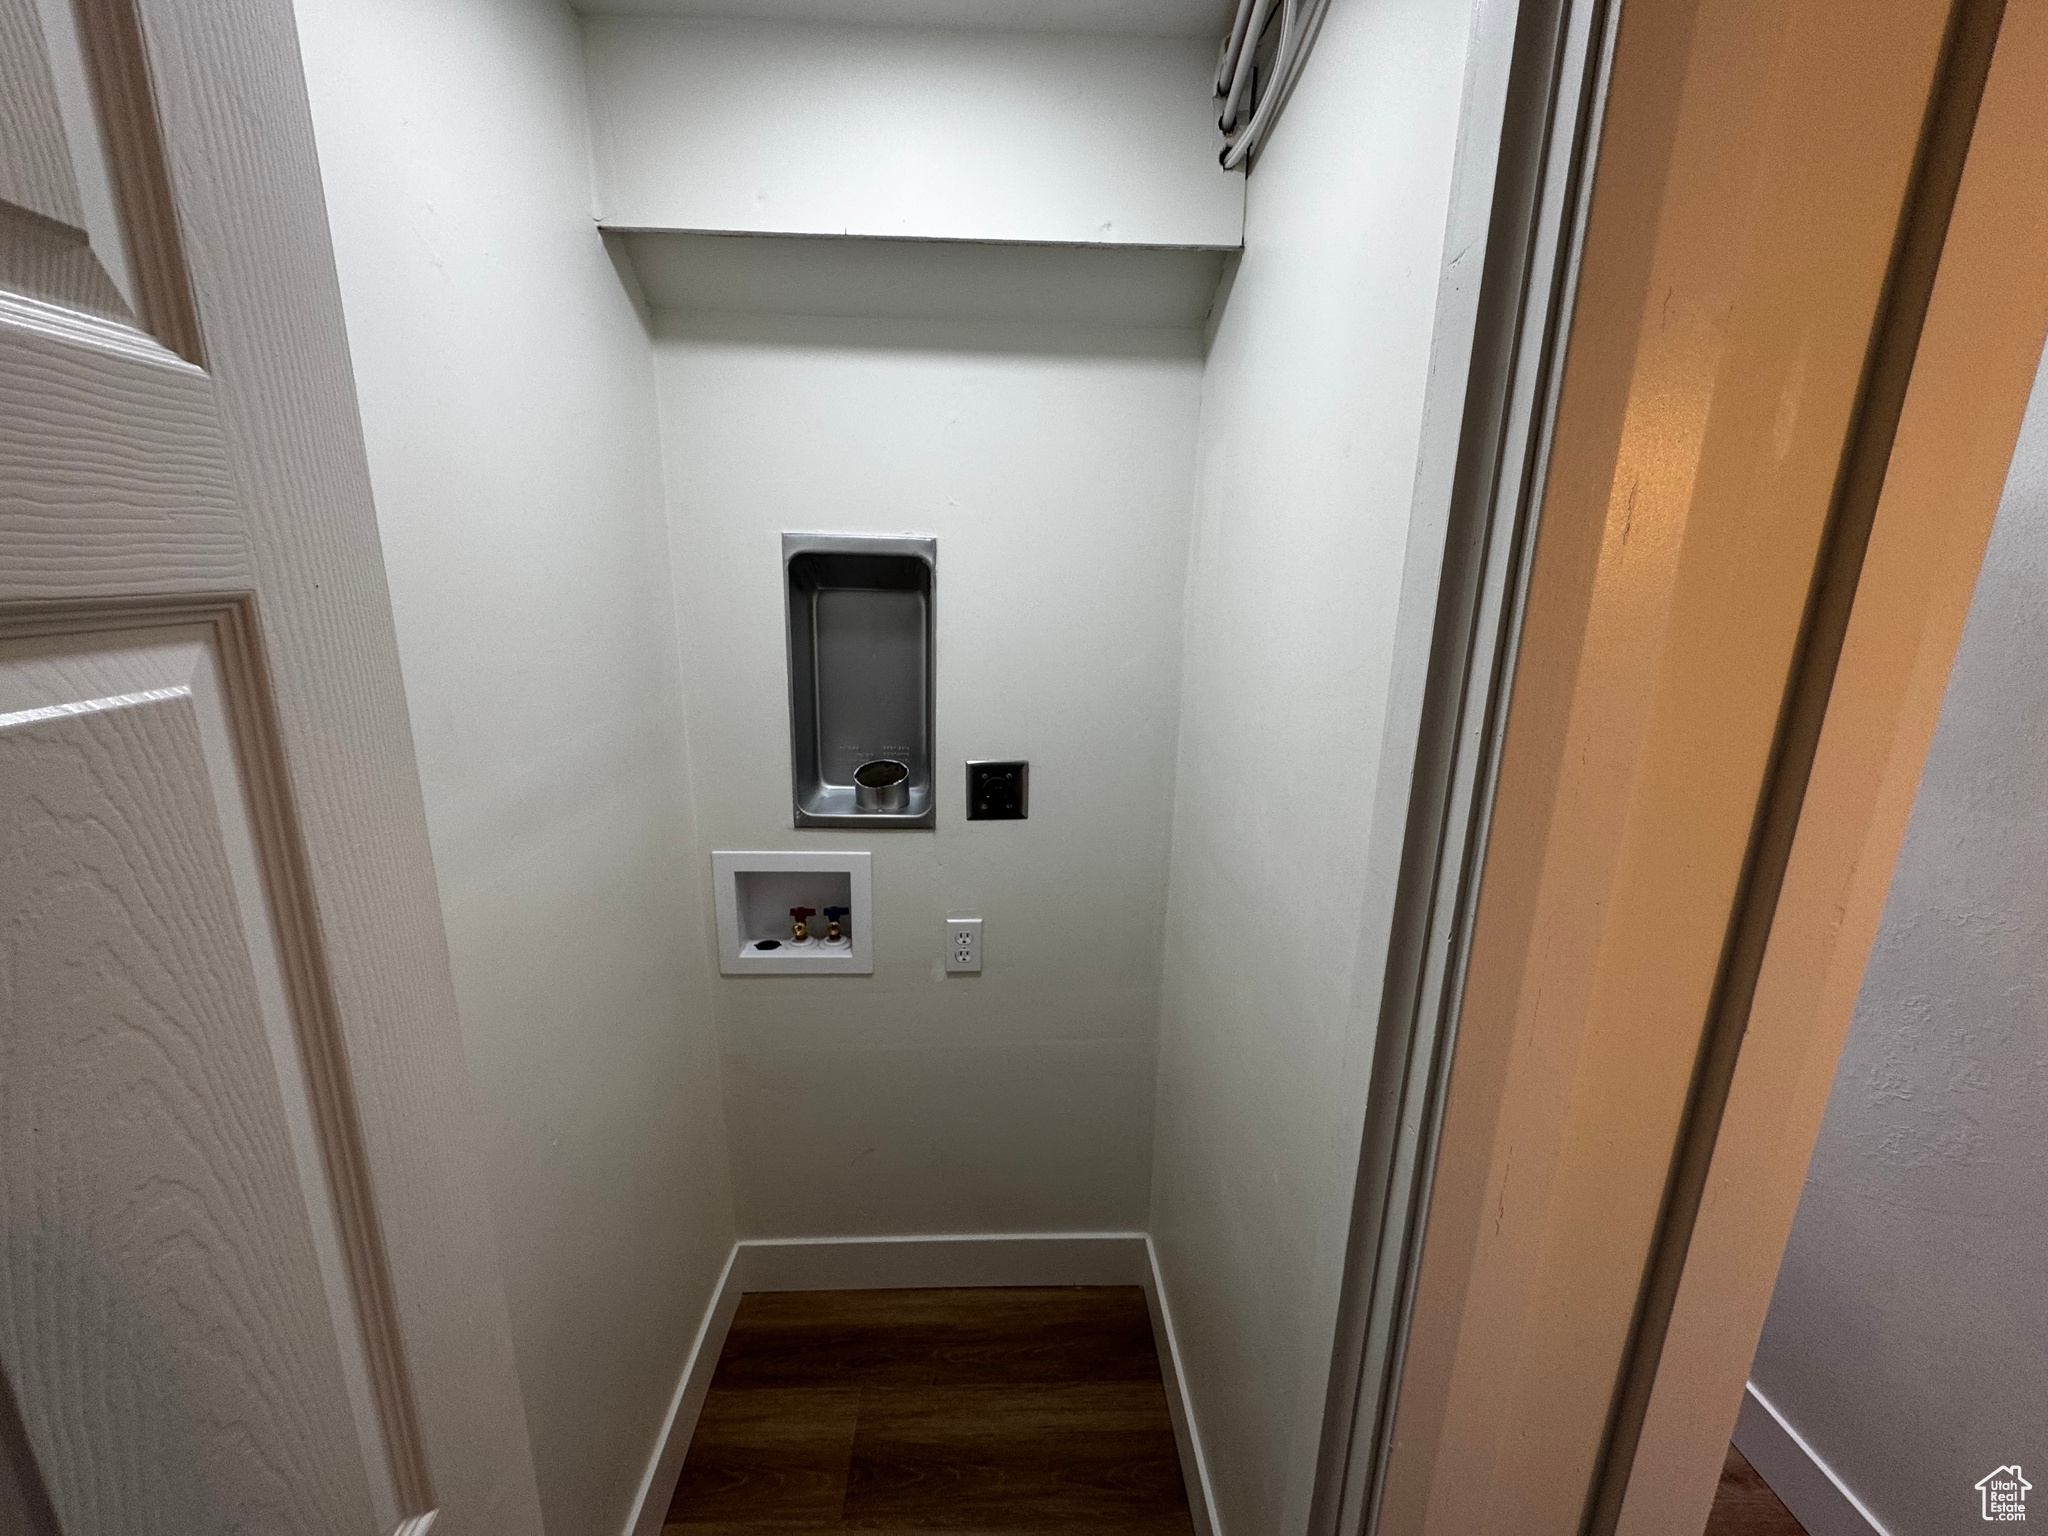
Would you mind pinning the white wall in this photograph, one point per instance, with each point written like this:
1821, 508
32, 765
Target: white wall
908, 132
1908, 1334
507, 396
1311, 420
1054, 465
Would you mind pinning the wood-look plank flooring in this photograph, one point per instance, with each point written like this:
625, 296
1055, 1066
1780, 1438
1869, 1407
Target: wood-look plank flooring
1745, 1506
995, 1412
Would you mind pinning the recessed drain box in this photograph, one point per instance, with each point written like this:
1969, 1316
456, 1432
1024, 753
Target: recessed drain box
862, 679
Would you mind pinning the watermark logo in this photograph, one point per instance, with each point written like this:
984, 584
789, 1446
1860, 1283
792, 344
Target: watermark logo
2005, 1494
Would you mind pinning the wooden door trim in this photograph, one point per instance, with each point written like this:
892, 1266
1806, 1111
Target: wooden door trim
1923, 227
1752, 172
230, 622
1951, 374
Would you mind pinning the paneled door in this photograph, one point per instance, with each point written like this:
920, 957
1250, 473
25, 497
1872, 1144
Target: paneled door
246, 1276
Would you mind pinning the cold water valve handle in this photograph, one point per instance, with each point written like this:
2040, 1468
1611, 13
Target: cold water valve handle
796, 920
832, 929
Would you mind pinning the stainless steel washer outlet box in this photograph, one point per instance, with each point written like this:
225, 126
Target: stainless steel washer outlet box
862, 679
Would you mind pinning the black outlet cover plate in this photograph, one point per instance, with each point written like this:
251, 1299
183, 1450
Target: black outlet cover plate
998, 791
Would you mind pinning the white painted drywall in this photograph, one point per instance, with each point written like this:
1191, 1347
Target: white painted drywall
1054, 466
908, 133
1311, 426
506, 384
1907, 1342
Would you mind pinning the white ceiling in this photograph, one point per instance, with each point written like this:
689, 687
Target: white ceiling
1130, 18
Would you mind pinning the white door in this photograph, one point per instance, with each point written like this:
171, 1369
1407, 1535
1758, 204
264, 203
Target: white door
246, 1275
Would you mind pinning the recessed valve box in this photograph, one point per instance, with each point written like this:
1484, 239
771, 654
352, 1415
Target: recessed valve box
784, 912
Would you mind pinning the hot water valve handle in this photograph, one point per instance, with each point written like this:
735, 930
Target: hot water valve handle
796, 920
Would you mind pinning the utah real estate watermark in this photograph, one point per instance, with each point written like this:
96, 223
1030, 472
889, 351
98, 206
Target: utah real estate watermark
2004, 1492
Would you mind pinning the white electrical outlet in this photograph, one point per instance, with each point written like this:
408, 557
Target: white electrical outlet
963, 944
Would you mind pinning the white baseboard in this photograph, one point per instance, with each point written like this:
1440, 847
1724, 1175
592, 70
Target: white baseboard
1187, 1434
919, 1263
658, 1483
1818, 1499
916, 1263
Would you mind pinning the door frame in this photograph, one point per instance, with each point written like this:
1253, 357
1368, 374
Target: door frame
1953, 364
1536, 86
1449, 1362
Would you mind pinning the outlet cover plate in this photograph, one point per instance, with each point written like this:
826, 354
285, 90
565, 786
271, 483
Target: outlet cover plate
998, 790
963, 945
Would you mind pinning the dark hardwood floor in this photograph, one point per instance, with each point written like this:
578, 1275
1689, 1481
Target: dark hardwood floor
969, 1413
1745, 1506
1022, 1412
